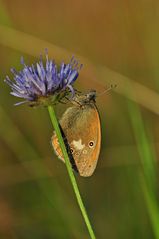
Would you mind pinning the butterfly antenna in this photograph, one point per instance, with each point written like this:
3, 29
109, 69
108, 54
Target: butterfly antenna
111, 87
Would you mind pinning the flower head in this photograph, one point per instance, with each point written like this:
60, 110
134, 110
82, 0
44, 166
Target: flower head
44, 84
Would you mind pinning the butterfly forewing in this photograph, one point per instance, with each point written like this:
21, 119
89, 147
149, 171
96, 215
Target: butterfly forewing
81, 127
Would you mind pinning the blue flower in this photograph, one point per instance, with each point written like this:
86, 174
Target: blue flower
44, 84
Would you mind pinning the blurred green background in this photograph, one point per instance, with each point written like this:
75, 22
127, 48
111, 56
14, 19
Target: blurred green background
118, 42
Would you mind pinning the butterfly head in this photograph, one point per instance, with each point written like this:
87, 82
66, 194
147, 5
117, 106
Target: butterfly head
84, 99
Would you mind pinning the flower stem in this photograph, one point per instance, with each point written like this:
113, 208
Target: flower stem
70, 172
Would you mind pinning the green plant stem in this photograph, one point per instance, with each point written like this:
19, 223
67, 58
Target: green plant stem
152, 204
148, 174
70, 172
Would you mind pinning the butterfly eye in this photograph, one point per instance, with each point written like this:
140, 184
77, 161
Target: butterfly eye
91, 144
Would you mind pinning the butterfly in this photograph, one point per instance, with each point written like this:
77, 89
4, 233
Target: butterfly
81, 130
